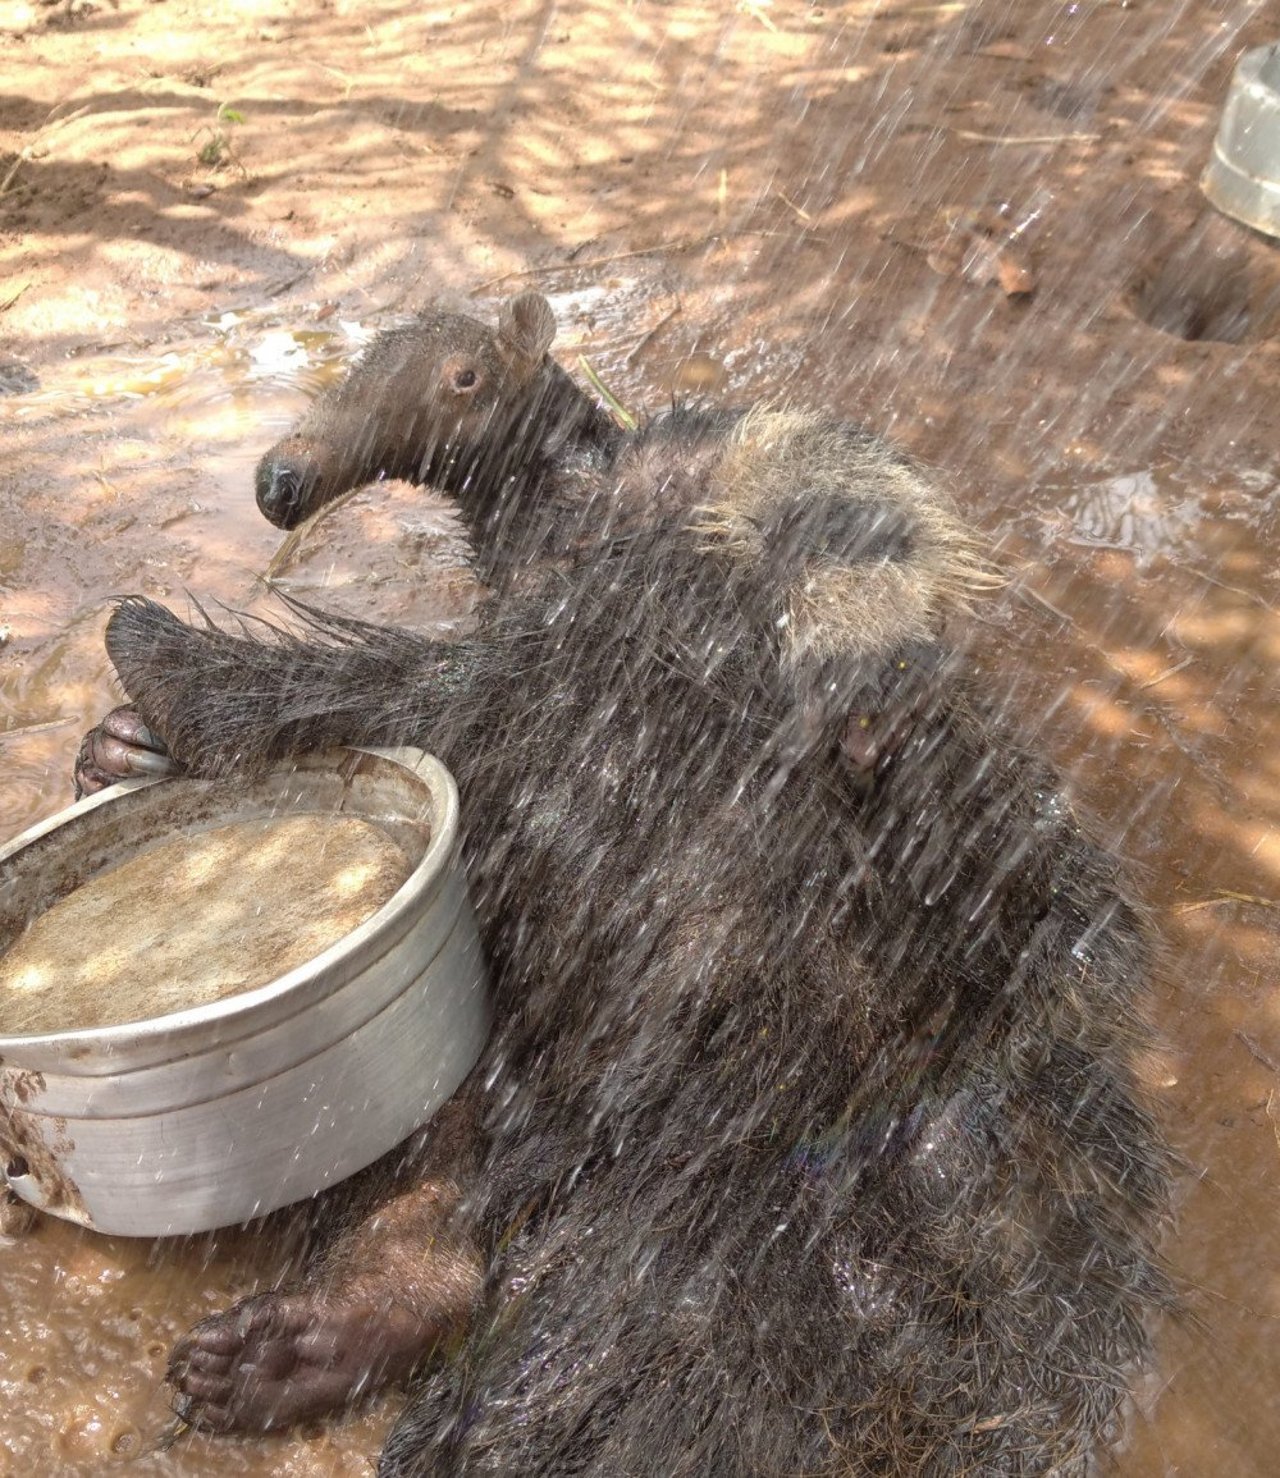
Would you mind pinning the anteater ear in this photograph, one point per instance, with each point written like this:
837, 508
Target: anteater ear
526, 327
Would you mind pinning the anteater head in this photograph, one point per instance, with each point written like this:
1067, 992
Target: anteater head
430, 401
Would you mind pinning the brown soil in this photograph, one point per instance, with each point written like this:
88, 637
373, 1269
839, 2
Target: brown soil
974, 226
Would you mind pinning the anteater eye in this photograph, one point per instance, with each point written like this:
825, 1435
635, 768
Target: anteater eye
464, 379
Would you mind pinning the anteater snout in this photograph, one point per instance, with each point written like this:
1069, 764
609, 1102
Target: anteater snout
284, 484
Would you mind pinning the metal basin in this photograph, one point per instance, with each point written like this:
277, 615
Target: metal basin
211, 1116
1243, 176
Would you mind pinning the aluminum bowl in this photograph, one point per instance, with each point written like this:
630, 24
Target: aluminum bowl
214, 1115
1243, 176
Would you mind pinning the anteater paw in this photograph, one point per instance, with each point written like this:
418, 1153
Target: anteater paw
276, 1359
121, 747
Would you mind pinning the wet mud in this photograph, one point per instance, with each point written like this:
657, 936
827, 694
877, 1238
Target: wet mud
89, 1321
755, 202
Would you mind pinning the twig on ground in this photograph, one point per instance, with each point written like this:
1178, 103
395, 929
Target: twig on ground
1032, 594
1152, 682
25, 731
799, 209
1256, 1050
689, 243
973, 137
296, 535
1227, 895
27, 153
653, 333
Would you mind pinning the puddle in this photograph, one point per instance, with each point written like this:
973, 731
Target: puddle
133, 471
192, 376
88, 1327
1155, 515
1129, 512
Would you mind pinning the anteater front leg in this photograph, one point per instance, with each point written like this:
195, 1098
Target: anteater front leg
217, 702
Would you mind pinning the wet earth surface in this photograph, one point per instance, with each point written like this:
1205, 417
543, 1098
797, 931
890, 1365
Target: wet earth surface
975, 227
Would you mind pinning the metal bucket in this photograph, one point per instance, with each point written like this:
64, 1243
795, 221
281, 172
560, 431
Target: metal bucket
1243, 177
214, 1115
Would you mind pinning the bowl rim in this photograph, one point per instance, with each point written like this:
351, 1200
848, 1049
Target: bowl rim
323, 970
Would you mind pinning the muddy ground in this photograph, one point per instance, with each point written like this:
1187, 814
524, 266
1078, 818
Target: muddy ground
974, 226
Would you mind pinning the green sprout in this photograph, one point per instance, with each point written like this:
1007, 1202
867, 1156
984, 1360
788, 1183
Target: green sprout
216, 149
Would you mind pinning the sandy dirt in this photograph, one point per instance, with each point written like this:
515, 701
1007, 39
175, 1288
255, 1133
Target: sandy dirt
976, 227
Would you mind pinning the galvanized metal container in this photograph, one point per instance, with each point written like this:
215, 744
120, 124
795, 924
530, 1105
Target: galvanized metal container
217, 1114
1243, 176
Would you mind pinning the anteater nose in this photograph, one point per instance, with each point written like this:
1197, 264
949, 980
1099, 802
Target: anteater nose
280, 483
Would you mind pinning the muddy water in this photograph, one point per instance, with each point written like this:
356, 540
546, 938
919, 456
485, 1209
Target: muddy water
131, 469
184, 924
88, 1322
1143, 604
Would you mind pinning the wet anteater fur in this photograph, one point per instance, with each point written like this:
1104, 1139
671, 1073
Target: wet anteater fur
812, 1139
